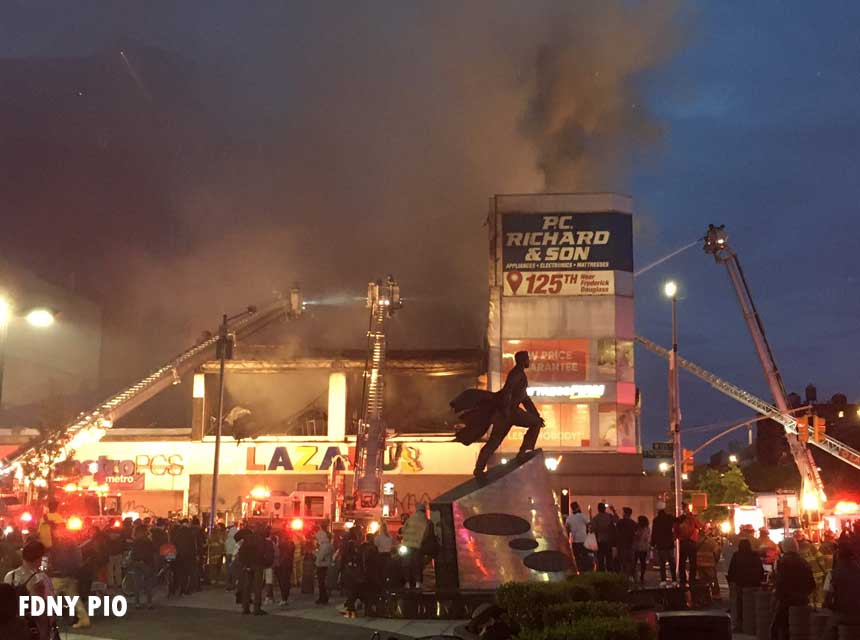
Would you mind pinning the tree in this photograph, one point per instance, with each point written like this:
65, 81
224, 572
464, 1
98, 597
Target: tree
723, 488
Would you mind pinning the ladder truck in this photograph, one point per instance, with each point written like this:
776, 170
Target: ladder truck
383, 300
35, 460
717, 245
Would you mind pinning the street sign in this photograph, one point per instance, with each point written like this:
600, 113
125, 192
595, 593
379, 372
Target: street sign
651, 453
665, 447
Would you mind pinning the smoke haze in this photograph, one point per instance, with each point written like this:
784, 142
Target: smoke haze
318, 143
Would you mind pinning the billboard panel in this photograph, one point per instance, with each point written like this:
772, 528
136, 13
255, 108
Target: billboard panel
564, 242
552, 361
560, 283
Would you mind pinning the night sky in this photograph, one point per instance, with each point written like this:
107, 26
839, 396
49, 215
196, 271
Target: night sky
233, 148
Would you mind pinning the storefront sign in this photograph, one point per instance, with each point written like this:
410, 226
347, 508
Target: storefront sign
104, 467
309, 458
560, 283
571, 391
567, 242
552, 361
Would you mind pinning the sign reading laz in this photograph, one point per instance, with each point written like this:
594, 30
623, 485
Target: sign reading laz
567, 242
309, 458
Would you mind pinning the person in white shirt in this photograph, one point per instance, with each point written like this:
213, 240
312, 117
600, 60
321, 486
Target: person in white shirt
230, 549
577, 524
384, 545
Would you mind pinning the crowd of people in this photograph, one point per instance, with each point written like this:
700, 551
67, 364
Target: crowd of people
256, 561
359, 563
607, 541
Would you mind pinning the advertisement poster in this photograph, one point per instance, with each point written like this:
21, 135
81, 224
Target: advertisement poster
553, 362
562, 242
560, 283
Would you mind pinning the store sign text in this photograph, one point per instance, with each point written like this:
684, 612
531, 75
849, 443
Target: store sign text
157, 465
571, 391
309, 458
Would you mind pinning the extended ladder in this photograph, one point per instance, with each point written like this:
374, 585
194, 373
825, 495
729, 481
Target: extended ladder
36, 458
828, 444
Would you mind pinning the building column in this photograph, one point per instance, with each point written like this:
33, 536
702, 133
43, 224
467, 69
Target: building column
337, 405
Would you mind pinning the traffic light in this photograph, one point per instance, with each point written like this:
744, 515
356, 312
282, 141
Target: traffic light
687, 461
819, 429
803, 429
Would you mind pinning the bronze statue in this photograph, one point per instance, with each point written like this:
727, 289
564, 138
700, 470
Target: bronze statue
479, 409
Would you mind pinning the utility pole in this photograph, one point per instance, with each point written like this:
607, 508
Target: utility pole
671, 291
223, 339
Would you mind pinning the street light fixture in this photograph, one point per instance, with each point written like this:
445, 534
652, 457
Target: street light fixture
733, 459
663, 466
38, 317
670, 289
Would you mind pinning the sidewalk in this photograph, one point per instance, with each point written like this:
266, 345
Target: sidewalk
302, 606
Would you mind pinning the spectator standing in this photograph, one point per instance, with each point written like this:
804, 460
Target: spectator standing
604, 530
577, 526
794, 585
250, 558
230, 548
351, 570
270, 557
29, 577
641, 546
842, 596
384, 545
687, 532
415, 533
707, 556
12, 626
284, 566
143, 558
183, 539
116, 549
48, 524
322, 561
745, 571
64, 566
625, 535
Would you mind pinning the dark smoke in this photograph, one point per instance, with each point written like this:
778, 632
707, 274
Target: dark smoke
319, 143
585, 114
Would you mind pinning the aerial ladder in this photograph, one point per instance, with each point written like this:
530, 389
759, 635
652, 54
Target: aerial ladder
383, 300
35, 459
790, 424
717, 245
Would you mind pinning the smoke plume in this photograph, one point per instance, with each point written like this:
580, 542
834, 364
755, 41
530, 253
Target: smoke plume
316, 143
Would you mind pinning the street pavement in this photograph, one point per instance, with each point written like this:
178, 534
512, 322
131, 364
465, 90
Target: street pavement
213, 612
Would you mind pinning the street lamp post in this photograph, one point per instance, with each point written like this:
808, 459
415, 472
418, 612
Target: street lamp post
671, 291
224, 348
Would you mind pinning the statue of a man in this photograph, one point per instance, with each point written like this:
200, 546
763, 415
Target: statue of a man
503, 410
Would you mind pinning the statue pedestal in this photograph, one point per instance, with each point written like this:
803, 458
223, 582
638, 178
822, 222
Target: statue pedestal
505, 528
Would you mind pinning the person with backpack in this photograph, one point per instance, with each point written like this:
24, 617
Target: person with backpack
29, 580
12, 626
64, 566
